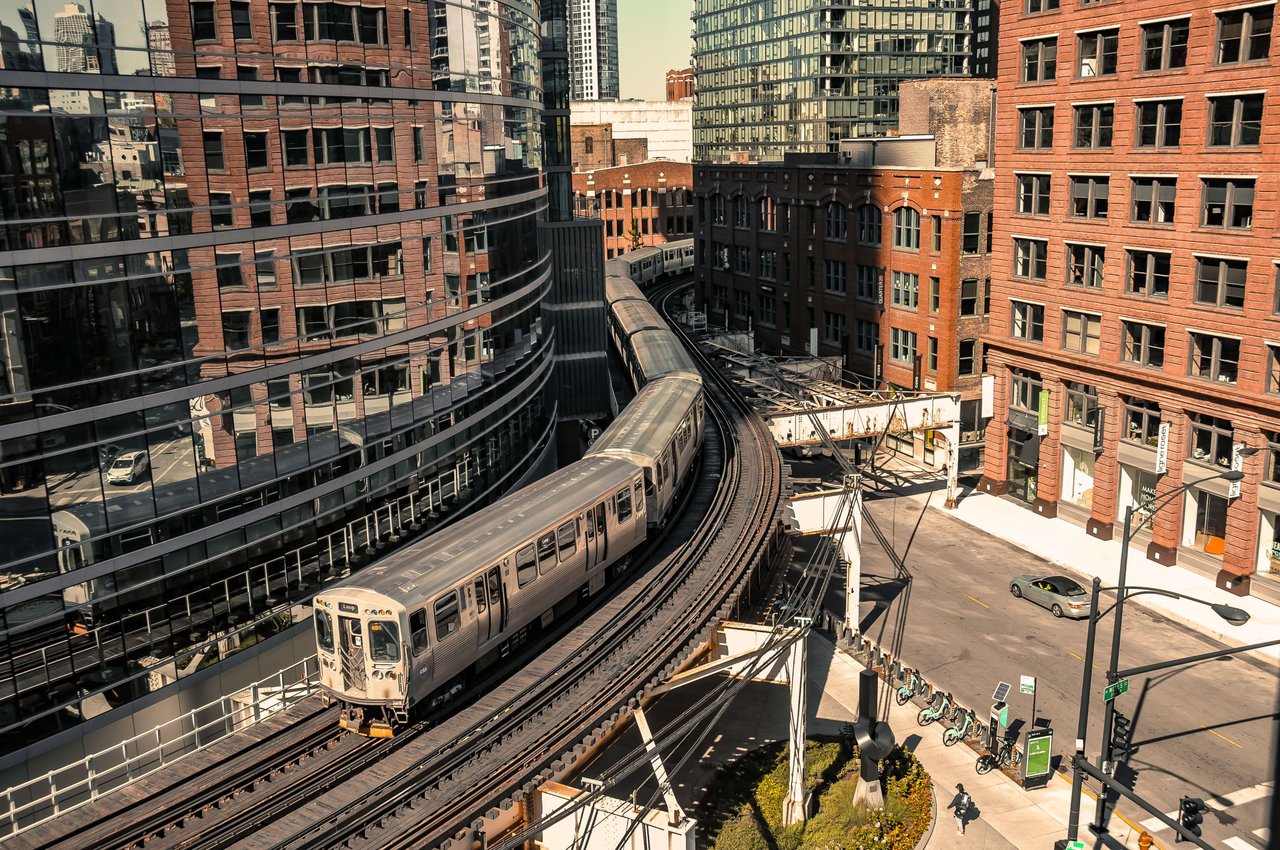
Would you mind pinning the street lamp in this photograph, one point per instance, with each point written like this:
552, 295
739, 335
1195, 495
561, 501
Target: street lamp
1228, 613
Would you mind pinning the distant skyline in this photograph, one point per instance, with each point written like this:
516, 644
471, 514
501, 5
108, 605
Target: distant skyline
653, 36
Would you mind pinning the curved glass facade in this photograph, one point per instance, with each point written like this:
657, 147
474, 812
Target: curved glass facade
270, 301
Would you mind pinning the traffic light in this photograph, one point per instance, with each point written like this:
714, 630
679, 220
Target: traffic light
1190, 816
1121, 737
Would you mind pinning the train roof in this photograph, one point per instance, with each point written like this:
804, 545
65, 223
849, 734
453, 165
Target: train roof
430, 567
660, 353
621, 288
650, 421
635, 316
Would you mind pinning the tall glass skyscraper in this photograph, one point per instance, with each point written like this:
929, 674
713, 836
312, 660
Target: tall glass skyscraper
593, 48
776, 76
270, 303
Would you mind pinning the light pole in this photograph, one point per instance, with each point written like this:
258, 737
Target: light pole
1077, 783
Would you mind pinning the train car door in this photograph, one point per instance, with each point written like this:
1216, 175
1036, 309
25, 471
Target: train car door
602, 535
351, 640
491, 604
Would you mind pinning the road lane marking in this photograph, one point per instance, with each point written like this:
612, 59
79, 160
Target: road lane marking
1223, 737
1236, 798
979, 601
1140, 827
1080, 658
1235, 842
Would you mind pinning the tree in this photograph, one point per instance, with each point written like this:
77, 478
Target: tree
634, 235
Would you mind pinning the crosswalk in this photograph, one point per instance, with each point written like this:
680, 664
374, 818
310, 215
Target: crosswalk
1242, 797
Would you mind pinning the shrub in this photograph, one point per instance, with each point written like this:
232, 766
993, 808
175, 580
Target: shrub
741, 832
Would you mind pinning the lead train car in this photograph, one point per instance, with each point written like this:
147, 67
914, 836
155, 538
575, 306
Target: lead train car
417, 624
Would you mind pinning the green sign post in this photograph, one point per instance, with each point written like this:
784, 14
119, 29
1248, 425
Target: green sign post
1037, 767
1116, 689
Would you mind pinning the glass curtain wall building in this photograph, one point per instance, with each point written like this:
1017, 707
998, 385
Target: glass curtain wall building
593, 48
799, 75
270, 302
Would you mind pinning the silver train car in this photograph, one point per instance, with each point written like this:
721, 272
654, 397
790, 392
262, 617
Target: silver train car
645, 265
414, 628
418, 624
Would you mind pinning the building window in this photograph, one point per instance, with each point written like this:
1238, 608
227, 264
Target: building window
971, 236
1090, 197
767, 211
1024, 390
741, 259
1037, 6
1220, 282
264, 264
247, 73
228, 270
1039, 60
1082, 401
1149, 273
1211, 519
906, 290
255, 150
833, 275
741, 304
220, 213
969, 297
1036, 127
906, 228
717, 208
867, 336
1244, 35
902, 345
1273, 369
1153, 200
967, 364
1096, 53
214, 159
1228, 203
1030, 258
260, 208
768, 265
768, 310
241, 21
1159, 123
866, 282
270, 326
741, 213
869, 224
1085, 264
937, 233
1164, 45
1143, 344
1028, 321
1214, 358
1081, 332
1272, 475
832, 327
835, 224
935, 294
296, 150
235, 330
1211, 439
1141, 421
284, 21
1094, 123
203, 23
1033, 194
1235, 120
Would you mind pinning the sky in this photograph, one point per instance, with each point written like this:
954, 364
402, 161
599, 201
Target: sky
653, 36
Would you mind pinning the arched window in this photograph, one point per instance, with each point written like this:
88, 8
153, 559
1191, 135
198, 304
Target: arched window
717, 209
741, 212
768, 212
837, 227
869, 224
906, 228
589, 145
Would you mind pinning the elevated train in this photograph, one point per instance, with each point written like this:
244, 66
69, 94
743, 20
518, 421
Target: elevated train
417, 626
645, 265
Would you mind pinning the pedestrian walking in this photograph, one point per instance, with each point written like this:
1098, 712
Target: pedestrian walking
962, 803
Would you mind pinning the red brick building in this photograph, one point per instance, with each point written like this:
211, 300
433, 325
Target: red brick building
879, 252
654, 196
1135, 285
680, 83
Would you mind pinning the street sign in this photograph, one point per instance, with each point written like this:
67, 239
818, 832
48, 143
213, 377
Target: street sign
1002, 692
1076, 845
1027, 685
1039, 755
1114, 690
1043, 414
1237, 465
1162, 448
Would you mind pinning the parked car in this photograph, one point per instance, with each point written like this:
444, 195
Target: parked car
1061, 595
127, 468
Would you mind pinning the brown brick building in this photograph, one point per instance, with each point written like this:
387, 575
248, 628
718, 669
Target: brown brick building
1135, 275
594, 146
878, 253
680, 83
655, 196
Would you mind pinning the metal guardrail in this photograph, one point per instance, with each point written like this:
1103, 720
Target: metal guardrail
45, 797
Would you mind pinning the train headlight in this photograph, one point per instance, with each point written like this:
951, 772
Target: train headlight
377, 674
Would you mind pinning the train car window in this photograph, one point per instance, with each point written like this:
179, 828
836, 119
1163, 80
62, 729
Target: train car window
526, 565
590, 528
567, 537
495, 586
600, 529
448, 620
418, 630
482, 604
639, 488
324, 630
624, 504
547, 552
384, 640
682, 434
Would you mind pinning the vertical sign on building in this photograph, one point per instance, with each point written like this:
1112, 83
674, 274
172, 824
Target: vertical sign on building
1044, 413
1237, 465
1162, 449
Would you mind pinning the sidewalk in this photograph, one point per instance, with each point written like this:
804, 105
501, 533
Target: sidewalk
1069, 546
1006, 815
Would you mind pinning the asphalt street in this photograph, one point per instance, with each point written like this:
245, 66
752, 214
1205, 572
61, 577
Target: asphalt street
1203, 730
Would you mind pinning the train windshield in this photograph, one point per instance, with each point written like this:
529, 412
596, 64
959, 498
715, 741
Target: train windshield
384, 641
324, 630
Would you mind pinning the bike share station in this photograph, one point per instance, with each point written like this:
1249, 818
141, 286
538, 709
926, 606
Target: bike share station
1037, 759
